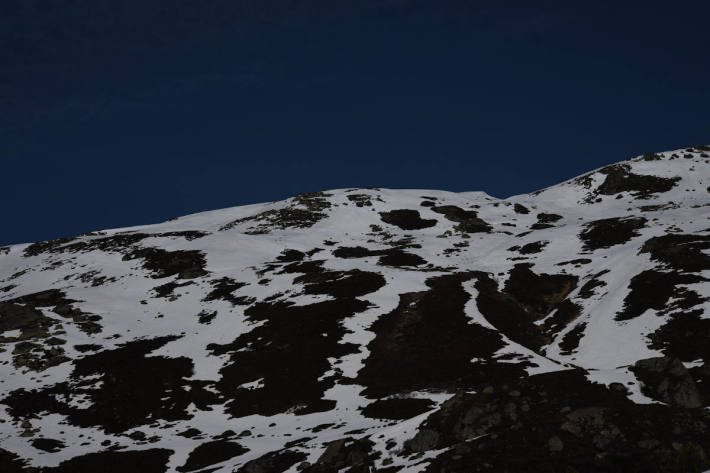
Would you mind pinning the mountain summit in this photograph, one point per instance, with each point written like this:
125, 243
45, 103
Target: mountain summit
356, 330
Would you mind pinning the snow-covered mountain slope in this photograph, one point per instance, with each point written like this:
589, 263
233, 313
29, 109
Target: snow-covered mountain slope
373, 329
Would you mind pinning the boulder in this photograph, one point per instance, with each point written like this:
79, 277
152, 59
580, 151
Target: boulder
667, 380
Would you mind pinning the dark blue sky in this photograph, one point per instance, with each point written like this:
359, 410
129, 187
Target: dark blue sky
116, 113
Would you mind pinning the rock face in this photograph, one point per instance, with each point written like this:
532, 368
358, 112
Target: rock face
667, 380
560, 420
361, 330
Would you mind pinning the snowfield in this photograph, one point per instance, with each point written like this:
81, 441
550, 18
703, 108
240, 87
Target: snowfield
373, 329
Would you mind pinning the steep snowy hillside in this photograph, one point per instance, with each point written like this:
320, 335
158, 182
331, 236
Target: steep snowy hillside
373, 329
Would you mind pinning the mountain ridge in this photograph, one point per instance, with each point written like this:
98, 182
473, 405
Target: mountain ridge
396, 330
